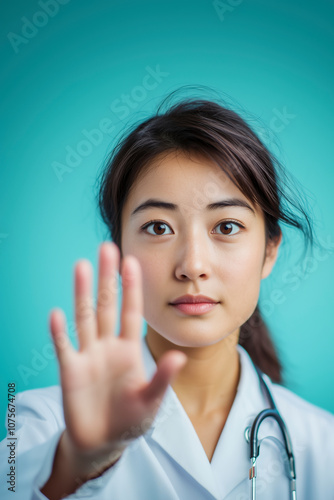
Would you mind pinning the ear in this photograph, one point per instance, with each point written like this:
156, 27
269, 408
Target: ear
271, 255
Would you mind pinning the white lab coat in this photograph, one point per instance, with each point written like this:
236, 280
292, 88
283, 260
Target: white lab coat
169, 462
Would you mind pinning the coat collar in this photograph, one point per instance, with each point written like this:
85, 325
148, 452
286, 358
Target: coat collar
230, 463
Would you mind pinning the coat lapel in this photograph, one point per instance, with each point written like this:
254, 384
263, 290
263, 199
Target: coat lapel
173, 431
231, 460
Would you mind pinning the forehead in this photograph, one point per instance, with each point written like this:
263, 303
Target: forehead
190, 181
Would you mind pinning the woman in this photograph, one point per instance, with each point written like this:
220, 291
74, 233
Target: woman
194, 203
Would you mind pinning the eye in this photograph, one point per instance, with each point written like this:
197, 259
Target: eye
229, 228
157, 225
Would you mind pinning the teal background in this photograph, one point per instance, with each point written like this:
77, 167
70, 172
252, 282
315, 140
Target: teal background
268, 58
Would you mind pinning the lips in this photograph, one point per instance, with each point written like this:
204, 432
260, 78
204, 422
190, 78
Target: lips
195, 309
194, 299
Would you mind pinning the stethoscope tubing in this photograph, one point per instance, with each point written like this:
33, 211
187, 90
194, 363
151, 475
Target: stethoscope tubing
254, 446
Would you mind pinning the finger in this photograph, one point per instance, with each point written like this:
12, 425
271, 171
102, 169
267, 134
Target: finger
106, 307
168, 367
84, 306
63, 346
132, 301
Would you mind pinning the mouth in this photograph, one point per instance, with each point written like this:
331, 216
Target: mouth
195, 309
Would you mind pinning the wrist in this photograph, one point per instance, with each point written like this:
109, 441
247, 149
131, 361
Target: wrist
87, 464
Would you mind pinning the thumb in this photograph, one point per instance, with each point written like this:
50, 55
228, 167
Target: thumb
168, 367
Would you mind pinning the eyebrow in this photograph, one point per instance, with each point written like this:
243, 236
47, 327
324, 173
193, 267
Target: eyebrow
153, 202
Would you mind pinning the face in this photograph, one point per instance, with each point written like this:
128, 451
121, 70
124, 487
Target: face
191, 249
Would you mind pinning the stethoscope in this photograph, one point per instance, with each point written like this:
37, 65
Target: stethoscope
251, 434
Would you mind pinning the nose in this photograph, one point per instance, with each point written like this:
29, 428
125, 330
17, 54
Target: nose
193, 258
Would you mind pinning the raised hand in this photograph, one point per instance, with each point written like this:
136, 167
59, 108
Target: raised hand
104, 388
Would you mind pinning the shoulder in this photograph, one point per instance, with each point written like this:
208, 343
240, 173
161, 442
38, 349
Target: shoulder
311, 425
39, 415
289, 401
41, 403
292, 407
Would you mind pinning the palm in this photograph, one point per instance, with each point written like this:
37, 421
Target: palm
100, 392
106, 396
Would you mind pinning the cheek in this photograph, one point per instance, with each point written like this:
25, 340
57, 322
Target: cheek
153, 277
241, 289
241, 276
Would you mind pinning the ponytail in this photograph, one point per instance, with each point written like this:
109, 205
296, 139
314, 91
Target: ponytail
255, 338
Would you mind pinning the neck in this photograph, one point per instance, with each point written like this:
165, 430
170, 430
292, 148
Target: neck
209, 380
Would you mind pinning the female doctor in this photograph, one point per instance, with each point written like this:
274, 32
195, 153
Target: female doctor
193, 201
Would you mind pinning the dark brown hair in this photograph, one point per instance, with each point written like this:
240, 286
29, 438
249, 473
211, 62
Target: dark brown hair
207, 128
